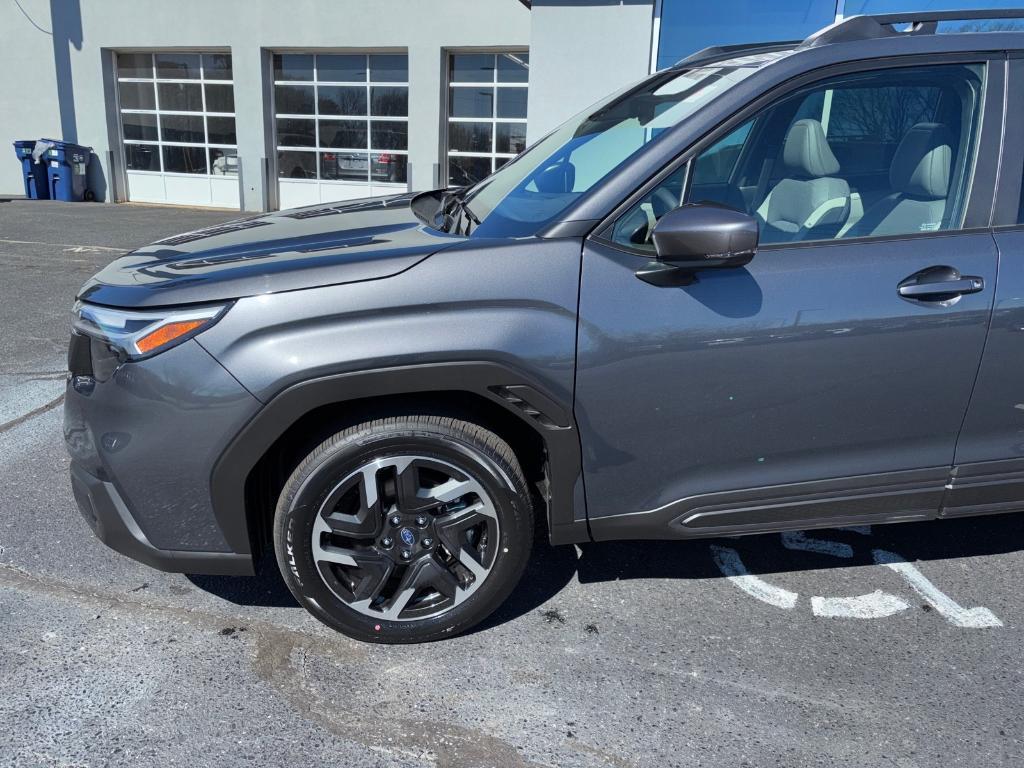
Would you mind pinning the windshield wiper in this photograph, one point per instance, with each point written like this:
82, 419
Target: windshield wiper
452, 201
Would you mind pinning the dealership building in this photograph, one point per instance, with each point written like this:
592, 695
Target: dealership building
258, 105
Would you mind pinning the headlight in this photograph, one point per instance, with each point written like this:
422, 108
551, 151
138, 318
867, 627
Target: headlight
136, 334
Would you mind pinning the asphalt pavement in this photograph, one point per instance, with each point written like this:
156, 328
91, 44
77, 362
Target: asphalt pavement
890, 646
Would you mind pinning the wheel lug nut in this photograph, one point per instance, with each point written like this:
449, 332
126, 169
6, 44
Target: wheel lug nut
406, 554
386, 542
396, 520
428, 543
421, 520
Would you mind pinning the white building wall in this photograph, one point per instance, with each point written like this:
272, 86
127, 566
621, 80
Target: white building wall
88, 31
581, 51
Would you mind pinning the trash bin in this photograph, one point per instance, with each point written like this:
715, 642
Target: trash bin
33, 175
66, 166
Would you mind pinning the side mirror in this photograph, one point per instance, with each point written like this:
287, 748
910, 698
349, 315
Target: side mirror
699, 236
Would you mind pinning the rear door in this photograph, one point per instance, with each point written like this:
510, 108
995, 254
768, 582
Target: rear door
989, 472
803, 389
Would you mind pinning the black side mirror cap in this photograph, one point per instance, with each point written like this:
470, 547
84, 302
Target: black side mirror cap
700, 236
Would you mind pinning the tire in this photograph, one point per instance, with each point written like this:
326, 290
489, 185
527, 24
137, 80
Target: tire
405, 529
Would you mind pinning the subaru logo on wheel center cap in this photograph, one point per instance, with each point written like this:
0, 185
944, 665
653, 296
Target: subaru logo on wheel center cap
407, 536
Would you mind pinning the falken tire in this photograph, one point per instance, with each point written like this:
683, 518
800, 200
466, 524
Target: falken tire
443, 444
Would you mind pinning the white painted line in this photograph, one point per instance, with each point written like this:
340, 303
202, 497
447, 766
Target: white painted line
729, 563
876, 605
800, 541
65, 246
956, 614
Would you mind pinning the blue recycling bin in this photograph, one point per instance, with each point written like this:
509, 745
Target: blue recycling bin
66, 167
33, 175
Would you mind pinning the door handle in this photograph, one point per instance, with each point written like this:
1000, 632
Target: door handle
939, 284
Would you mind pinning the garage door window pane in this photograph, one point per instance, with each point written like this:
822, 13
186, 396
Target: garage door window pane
220, 98
471, 68
388, 168
296, 165
135, 65
177, 66
342, 100
223, 162
390, 102
472, 102
296, 133
293, 66
217, 66
511, 138
391, 134
221, 130
389, 68
512, 102
468, 170
188, 128
136, 95
180, 97
142, 157
470, 137
184, 159
343, 133
513, 67
341, 69
138, 126
294, 99
344, 166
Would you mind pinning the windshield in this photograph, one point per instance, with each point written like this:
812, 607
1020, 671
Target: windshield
542, 182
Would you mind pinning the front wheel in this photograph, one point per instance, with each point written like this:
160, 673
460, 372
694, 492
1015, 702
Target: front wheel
405, 529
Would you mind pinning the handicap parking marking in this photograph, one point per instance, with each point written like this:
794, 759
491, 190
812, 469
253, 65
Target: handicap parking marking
955, 614
873, 605
730, 564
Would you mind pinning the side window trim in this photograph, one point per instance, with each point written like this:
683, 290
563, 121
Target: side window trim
977, 207
1008, 206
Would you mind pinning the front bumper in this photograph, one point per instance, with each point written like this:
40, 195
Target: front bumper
108, 516
144, 438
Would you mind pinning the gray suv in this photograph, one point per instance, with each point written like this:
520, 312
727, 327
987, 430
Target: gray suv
385, 393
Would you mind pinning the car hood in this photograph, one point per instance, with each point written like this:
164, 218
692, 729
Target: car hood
281, 251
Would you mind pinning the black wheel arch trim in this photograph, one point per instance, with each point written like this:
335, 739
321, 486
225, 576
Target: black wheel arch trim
515, 392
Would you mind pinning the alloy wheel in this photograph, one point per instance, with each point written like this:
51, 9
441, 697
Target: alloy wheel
405, 538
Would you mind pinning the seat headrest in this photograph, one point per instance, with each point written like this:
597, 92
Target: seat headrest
920, 167
806, 151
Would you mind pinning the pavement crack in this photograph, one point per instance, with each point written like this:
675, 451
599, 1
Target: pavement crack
8, 425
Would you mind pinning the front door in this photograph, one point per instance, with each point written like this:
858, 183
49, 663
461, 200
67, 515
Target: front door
828, 380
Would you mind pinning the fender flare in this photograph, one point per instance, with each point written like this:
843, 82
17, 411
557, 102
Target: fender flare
514, 391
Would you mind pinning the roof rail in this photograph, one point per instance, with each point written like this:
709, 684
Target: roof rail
921, 23
715, 53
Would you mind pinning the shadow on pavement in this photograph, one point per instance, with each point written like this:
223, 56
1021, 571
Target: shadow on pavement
765, 553
266, 589
551, 568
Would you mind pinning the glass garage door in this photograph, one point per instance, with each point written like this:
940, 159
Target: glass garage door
341, 124
487, 96
178, 128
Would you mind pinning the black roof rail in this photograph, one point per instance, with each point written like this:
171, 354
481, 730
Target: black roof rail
870, 27
715, 53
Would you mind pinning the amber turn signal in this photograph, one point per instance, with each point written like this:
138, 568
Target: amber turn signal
165, 334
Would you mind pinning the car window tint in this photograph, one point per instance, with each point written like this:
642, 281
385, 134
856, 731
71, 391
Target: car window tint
880, 153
